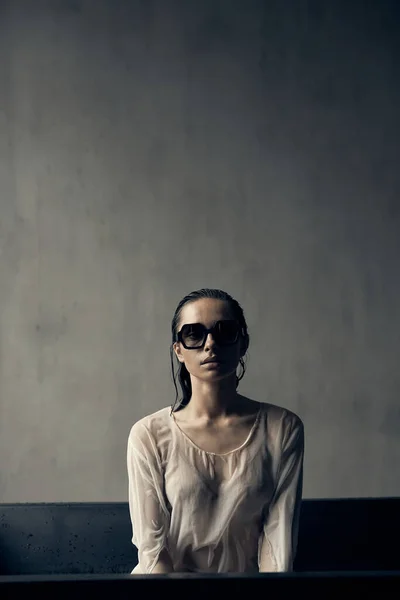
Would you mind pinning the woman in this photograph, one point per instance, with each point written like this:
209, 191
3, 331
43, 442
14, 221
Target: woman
215, 483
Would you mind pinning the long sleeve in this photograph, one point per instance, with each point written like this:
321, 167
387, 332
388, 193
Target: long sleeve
147, 503
280, 530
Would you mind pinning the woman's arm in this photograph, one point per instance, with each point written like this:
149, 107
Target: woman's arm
163, 564
280, 531
149, 513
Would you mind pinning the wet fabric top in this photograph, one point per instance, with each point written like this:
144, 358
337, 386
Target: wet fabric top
216, 513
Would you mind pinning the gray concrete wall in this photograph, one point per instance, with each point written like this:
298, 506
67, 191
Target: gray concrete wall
149, 148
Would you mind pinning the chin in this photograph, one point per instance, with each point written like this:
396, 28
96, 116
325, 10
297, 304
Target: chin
217, 375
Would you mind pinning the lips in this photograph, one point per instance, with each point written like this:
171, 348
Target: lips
211, 359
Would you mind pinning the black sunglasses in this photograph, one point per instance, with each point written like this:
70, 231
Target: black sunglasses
194, 335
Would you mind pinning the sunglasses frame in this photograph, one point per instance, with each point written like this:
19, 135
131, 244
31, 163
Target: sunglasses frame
207, 331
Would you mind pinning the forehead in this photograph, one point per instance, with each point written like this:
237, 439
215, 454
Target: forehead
205, 311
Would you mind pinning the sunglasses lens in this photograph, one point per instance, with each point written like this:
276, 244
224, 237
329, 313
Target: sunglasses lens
228, 332
193, 335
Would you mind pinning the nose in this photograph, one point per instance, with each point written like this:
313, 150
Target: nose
210, 342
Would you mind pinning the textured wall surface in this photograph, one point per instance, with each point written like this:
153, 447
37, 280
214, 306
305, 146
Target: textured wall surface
334, 535
149, 148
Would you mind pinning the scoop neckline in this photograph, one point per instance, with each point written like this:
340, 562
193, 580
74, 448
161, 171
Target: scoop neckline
246, 441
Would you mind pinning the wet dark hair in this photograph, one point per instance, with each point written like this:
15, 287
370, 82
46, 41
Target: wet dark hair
182, 373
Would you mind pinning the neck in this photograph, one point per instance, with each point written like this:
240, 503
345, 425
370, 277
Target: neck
211, 401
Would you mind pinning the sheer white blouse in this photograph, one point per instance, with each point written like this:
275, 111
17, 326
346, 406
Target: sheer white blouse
216, 513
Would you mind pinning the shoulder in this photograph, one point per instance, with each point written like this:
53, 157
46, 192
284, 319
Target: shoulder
284, 431
284, 420
153, 426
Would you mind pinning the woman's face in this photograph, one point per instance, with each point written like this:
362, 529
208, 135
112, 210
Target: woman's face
208, 311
